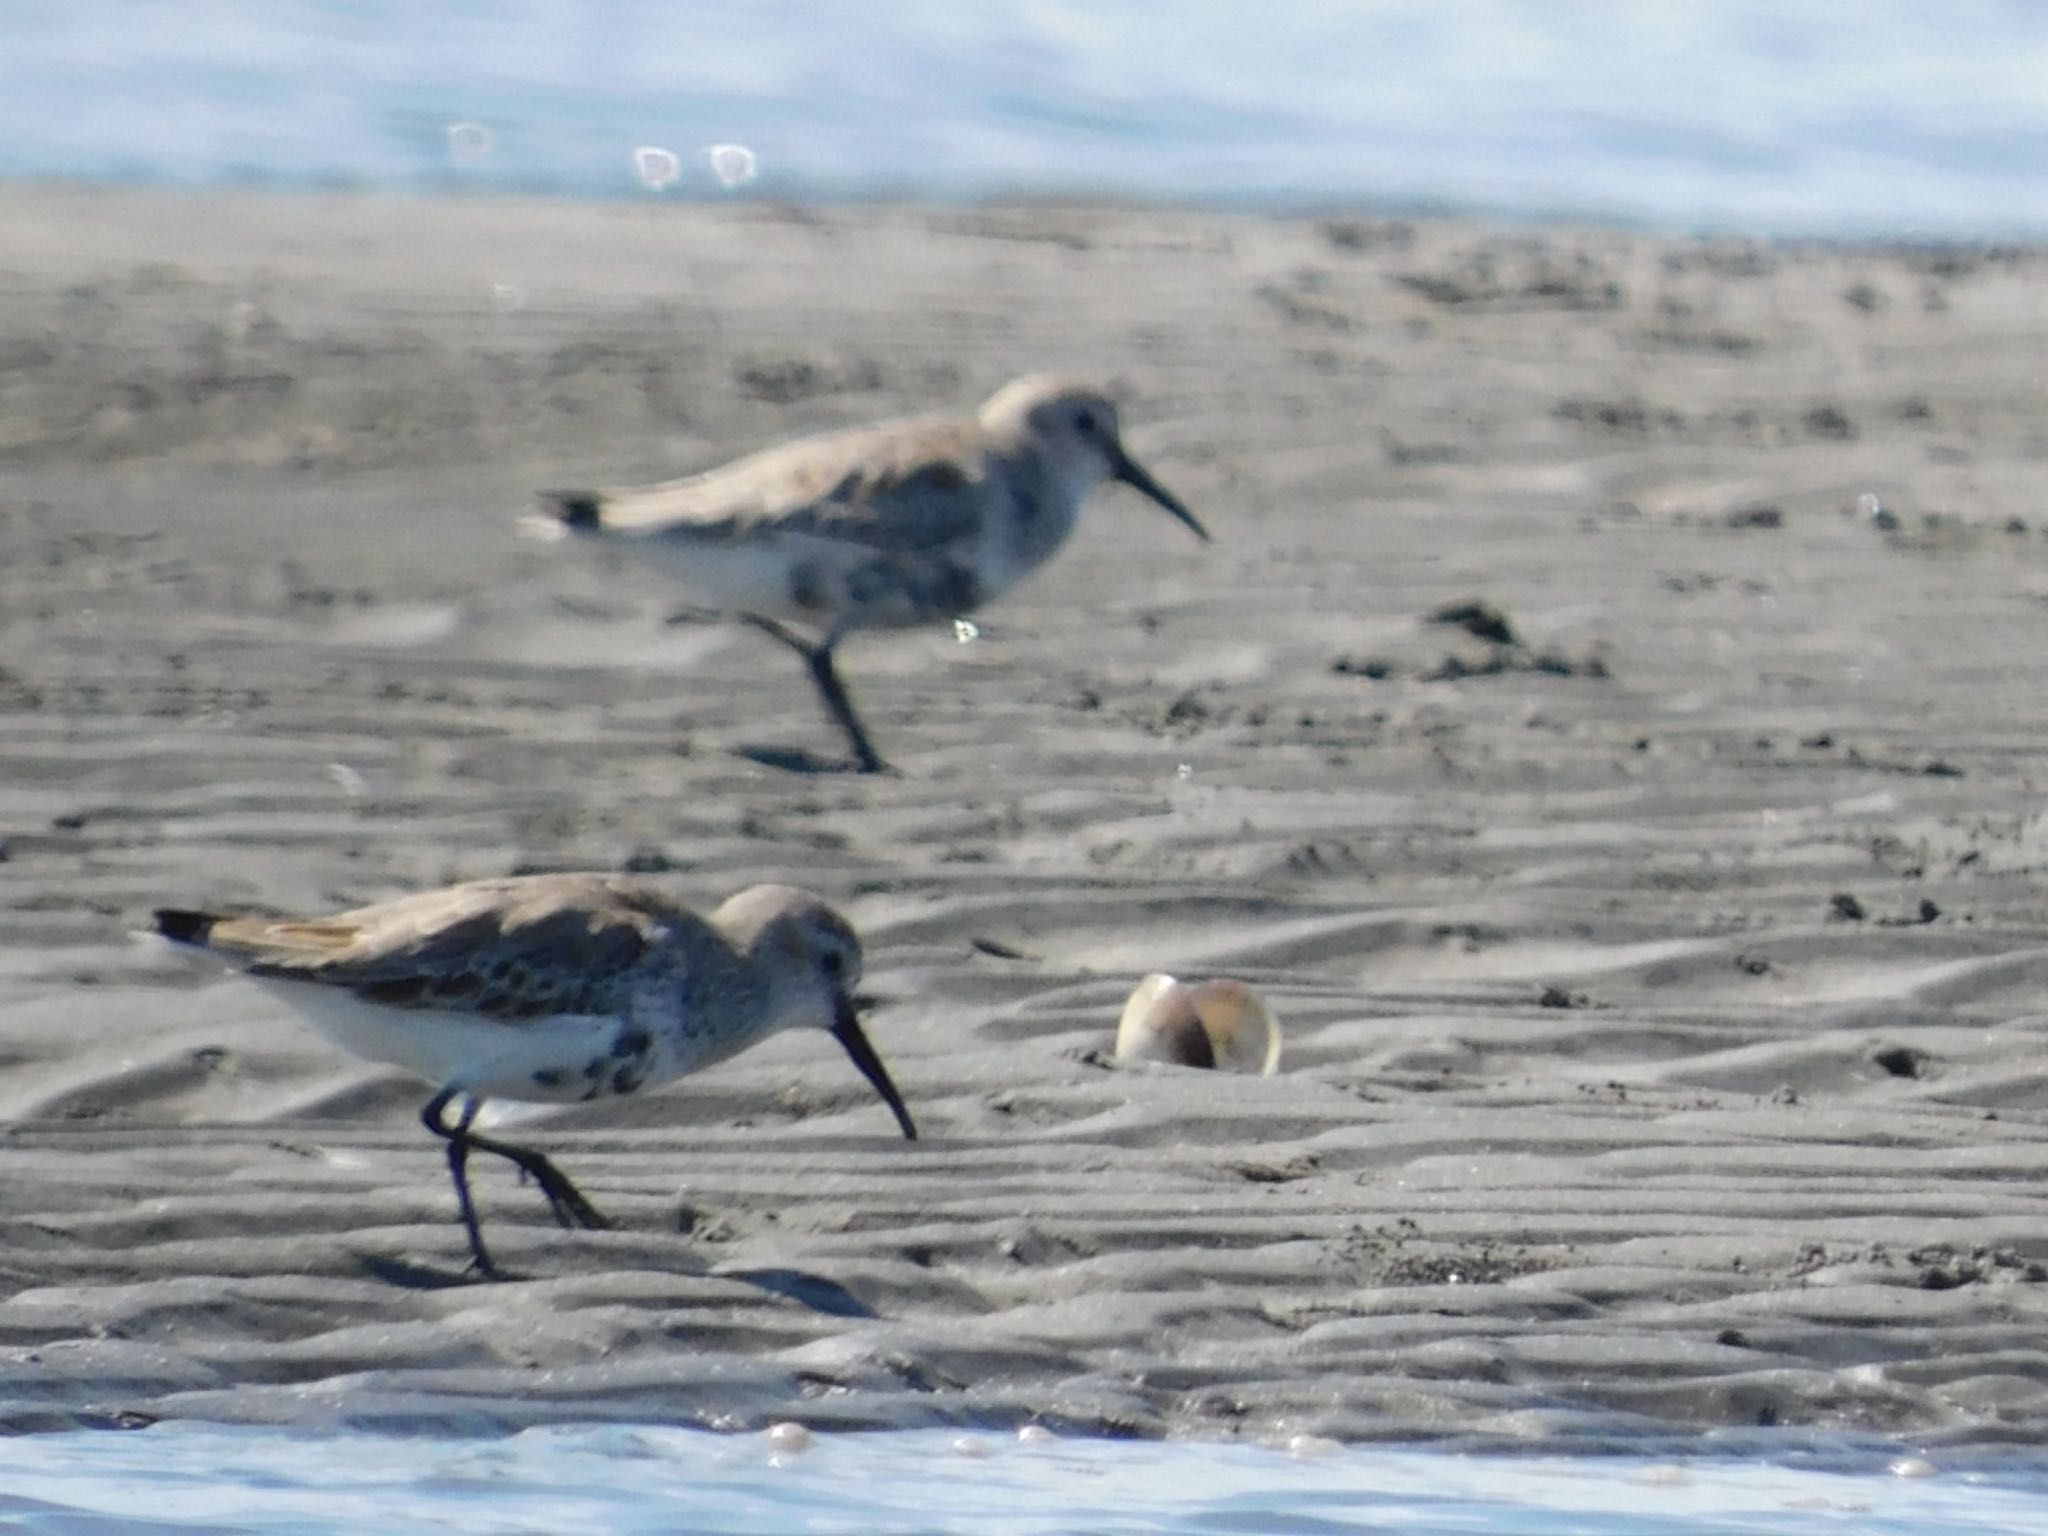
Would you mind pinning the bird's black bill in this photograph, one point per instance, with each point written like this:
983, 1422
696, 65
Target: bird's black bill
1127, 470
847, 1032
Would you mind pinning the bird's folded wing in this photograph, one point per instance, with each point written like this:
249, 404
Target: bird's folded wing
503, 950
895, 490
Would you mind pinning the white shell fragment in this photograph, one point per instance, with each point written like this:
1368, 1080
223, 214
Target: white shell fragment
1220, 1024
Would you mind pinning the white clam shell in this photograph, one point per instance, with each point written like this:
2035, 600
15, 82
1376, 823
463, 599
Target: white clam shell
1221, 1024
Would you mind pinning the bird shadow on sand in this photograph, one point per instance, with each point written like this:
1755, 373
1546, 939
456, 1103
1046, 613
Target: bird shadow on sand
408, 1276
815, 1292
807, 1290
796, 759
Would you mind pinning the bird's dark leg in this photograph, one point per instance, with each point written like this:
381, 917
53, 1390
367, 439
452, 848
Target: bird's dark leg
457, 1137
564, 1199
826, 678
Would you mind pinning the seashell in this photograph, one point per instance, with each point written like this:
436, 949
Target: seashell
1220, 1024
1159, 1023
1243, 1033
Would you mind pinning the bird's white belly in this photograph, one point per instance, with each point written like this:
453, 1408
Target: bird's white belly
558, 1059
807, 580
794, 580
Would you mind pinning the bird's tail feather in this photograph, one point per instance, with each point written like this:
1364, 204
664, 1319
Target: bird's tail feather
181, 925
564, 514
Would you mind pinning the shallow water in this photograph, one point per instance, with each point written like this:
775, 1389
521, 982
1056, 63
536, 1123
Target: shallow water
628, 1480
1837, 117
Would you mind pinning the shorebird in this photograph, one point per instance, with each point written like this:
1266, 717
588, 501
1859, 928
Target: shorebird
882, 527
553, 988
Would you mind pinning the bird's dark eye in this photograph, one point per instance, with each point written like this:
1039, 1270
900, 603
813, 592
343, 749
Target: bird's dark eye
1086, 422
835, 964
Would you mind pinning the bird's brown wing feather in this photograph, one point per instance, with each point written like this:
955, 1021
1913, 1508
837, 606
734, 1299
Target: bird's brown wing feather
503, 949
895, 489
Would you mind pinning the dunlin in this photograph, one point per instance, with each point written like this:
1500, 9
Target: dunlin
555, 988
884, 527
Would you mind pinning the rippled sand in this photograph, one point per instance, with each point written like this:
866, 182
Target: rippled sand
1663, 990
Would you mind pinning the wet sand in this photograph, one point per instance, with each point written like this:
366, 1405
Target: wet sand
1663, 987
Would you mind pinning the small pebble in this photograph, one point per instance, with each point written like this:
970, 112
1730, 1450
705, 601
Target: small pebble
789, 1437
